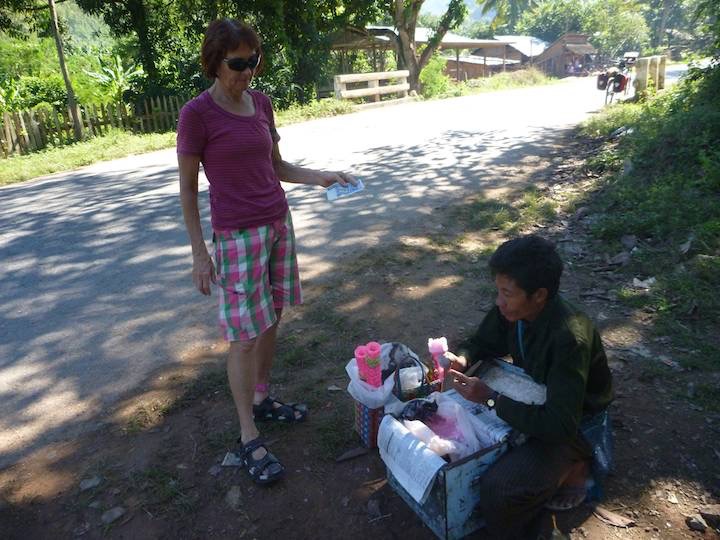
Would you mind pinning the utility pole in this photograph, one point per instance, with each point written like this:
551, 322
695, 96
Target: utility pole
77, 126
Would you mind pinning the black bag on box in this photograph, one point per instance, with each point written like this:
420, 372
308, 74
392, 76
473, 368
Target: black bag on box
425, 389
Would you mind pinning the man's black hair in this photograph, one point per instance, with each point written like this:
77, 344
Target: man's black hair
531, 261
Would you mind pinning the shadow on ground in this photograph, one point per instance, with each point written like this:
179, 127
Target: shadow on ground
158, 451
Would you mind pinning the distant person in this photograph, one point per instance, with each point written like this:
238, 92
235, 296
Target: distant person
559, 347
230, 129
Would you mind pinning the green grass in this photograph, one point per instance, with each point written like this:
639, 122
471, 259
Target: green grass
316, 109
114, 145
670, 200
510, 217
207, 384
613, 117
147, 415
335, 432
708, 396
162, 490
507, 80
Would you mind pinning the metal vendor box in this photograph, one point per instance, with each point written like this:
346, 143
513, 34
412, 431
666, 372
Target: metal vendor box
448, 498
449, 510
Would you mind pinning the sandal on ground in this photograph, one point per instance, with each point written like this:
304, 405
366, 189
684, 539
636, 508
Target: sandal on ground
264, 470
567, 498
272, 409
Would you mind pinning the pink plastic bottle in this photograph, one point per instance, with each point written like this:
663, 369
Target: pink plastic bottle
437, 348
374, 370
361, 359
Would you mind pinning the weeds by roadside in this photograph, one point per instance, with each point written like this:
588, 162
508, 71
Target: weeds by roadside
660, 183
115, 144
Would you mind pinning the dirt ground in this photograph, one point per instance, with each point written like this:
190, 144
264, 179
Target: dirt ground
153, 469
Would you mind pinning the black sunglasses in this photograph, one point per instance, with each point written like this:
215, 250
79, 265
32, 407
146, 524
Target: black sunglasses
241, 64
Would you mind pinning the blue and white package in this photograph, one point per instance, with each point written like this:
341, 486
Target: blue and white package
337, 190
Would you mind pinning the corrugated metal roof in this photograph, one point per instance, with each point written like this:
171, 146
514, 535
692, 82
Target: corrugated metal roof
449, 41
528, 45
491, 61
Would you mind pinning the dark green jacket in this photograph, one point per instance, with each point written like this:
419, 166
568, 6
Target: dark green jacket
563, 351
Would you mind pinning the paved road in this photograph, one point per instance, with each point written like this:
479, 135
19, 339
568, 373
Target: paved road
94, 272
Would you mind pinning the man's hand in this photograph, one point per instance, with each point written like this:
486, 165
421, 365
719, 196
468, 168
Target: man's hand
471, 388
203, 273
458, 363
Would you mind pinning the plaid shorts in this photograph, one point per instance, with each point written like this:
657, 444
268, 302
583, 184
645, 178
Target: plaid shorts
257, 273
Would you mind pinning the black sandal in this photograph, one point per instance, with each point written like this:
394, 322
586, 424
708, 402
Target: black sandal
286, 412
265, 470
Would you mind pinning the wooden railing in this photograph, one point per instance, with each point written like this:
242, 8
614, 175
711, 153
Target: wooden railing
378, 84
27, 131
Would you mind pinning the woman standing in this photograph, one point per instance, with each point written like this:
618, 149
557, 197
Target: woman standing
230, 129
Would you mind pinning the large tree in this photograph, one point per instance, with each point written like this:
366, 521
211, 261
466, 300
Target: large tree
506, 13
149, 20
552, 18
77, 125
10, 10
404, 14
168, 33
613, 25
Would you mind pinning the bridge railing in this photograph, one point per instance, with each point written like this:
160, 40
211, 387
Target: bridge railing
377, 84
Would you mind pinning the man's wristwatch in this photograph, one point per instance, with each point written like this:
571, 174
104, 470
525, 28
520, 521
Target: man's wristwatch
492, 400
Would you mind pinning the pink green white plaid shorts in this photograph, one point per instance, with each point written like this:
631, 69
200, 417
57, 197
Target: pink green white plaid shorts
257, 273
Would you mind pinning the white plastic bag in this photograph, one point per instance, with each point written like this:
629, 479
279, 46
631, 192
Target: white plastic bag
440, 446
392, 355
370, 396
454, 423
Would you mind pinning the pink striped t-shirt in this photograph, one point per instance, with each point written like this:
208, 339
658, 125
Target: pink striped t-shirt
236, 152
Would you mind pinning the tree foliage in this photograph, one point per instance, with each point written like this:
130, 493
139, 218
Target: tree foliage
613, 25
164, 37
616, 26
507, 13
405, 14
115, 78
550, 19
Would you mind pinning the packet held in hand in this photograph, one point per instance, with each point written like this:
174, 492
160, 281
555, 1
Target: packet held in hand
337, 190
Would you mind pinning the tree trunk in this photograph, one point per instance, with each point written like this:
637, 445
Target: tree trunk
138, 16
666, 7
72, 104
406, 22
405, 16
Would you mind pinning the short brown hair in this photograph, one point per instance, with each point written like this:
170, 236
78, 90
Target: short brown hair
225, 35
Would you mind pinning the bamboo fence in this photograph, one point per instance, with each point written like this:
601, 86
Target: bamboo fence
28, 131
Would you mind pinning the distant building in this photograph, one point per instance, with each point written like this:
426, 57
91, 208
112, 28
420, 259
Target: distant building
571, 54
523, 49
474, 67
380, 38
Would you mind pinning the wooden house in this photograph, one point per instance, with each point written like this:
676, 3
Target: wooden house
571, 54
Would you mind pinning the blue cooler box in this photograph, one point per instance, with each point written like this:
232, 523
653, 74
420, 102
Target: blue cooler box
449, 510
450, 507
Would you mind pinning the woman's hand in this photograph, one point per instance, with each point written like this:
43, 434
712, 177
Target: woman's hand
471, 388
203, 273
328, 178
458, 363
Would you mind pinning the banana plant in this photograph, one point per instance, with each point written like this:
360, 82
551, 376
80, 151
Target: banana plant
114, 78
